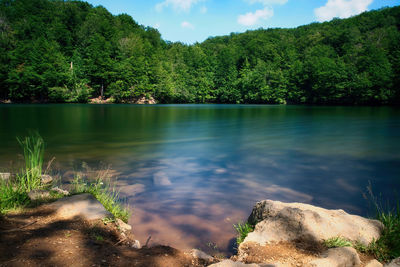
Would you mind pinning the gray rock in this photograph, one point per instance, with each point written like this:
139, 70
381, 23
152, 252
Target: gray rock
198, 254
277, 221
124, 227
374, 263
60, 191
337, 257
230, 263
136, 244
394, 263
5, 176
46, 179
38, 194
84, 205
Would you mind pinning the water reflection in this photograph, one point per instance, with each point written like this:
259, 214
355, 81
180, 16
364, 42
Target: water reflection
189, 172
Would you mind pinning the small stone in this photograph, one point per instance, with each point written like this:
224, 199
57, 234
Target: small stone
5, 176
38, 194
46, 179
136, 244
60, 191
374, 263
394, 263
231, 263
198, 254
124, 227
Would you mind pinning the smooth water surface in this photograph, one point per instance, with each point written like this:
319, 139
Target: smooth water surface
190, 171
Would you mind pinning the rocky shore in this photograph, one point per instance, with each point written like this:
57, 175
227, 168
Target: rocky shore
285, 234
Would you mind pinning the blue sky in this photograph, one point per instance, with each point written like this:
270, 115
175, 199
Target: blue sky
191, 21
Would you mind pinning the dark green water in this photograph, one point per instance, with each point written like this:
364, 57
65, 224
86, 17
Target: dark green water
191, 171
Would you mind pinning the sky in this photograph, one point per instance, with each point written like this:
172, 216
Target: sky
191, 21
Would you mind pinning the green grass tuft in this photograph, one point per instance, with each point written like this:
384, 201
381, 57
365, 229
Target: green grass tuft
387, 247
105, 194
33, 148
337, 242
243, 229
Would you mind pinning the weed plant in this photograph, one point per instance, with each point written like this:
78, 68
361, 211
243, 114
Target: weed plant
337, 242
33, 148
105, 193
243, 229
387, 247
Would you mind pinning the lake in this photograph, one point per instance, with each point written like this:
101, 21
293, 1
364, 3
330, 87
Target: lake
189, 172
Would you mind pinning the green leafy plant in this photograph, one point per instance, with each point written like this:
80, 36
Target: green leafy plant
387, 247
337, 242
33, 149
105, 194
243, 229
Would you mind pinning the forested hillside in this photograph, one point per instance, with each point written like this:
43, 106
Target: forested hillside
68, 51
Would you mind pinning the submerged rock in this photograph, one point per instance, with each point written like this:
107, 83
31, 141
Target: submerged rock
84, 205
198, 254
277, 221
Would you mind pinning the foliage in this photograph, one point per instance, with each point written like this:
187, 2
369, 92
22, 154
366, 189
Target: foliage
243, 229
337, 242
12, 195
387, 247
33, 148
68, 51
104, 193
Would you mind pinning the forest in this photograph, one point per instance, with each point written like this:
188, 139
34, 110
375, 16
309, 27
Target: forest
55, 51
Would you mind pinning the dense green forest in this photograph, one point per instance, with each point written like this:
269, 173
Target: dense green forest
69, 51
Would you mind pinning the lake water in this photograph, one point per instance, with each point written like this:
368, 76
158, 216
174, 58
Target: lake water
191, 171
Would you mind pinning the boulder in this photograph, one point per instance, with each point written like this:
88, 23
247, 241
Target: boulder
124, 227
231, 263
46, 179
38, 194
83, 205
394, 263
337, 257
277, 221
374, 263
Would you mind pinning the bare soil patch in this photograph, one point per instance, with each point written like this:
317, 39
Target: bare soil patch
38, 237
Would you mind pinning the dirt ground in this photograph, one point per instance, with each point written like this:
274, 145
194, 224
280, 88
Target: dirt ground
38, 238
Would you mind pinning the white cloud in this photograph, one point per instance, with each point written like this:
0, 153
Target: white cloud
341, 9
203, 10
250, 19
187, 25
177, 5
157, 25
268, 2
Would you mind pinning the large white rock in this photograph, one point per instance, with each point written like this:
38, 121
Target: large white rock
394, 263
277, 221
85, 206
374, 263
338, 257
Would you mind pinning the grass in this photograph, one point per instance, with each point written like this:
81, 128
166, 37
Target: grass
33, 149
105, 194
337, 242
387, 247
14, 192
243, 229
